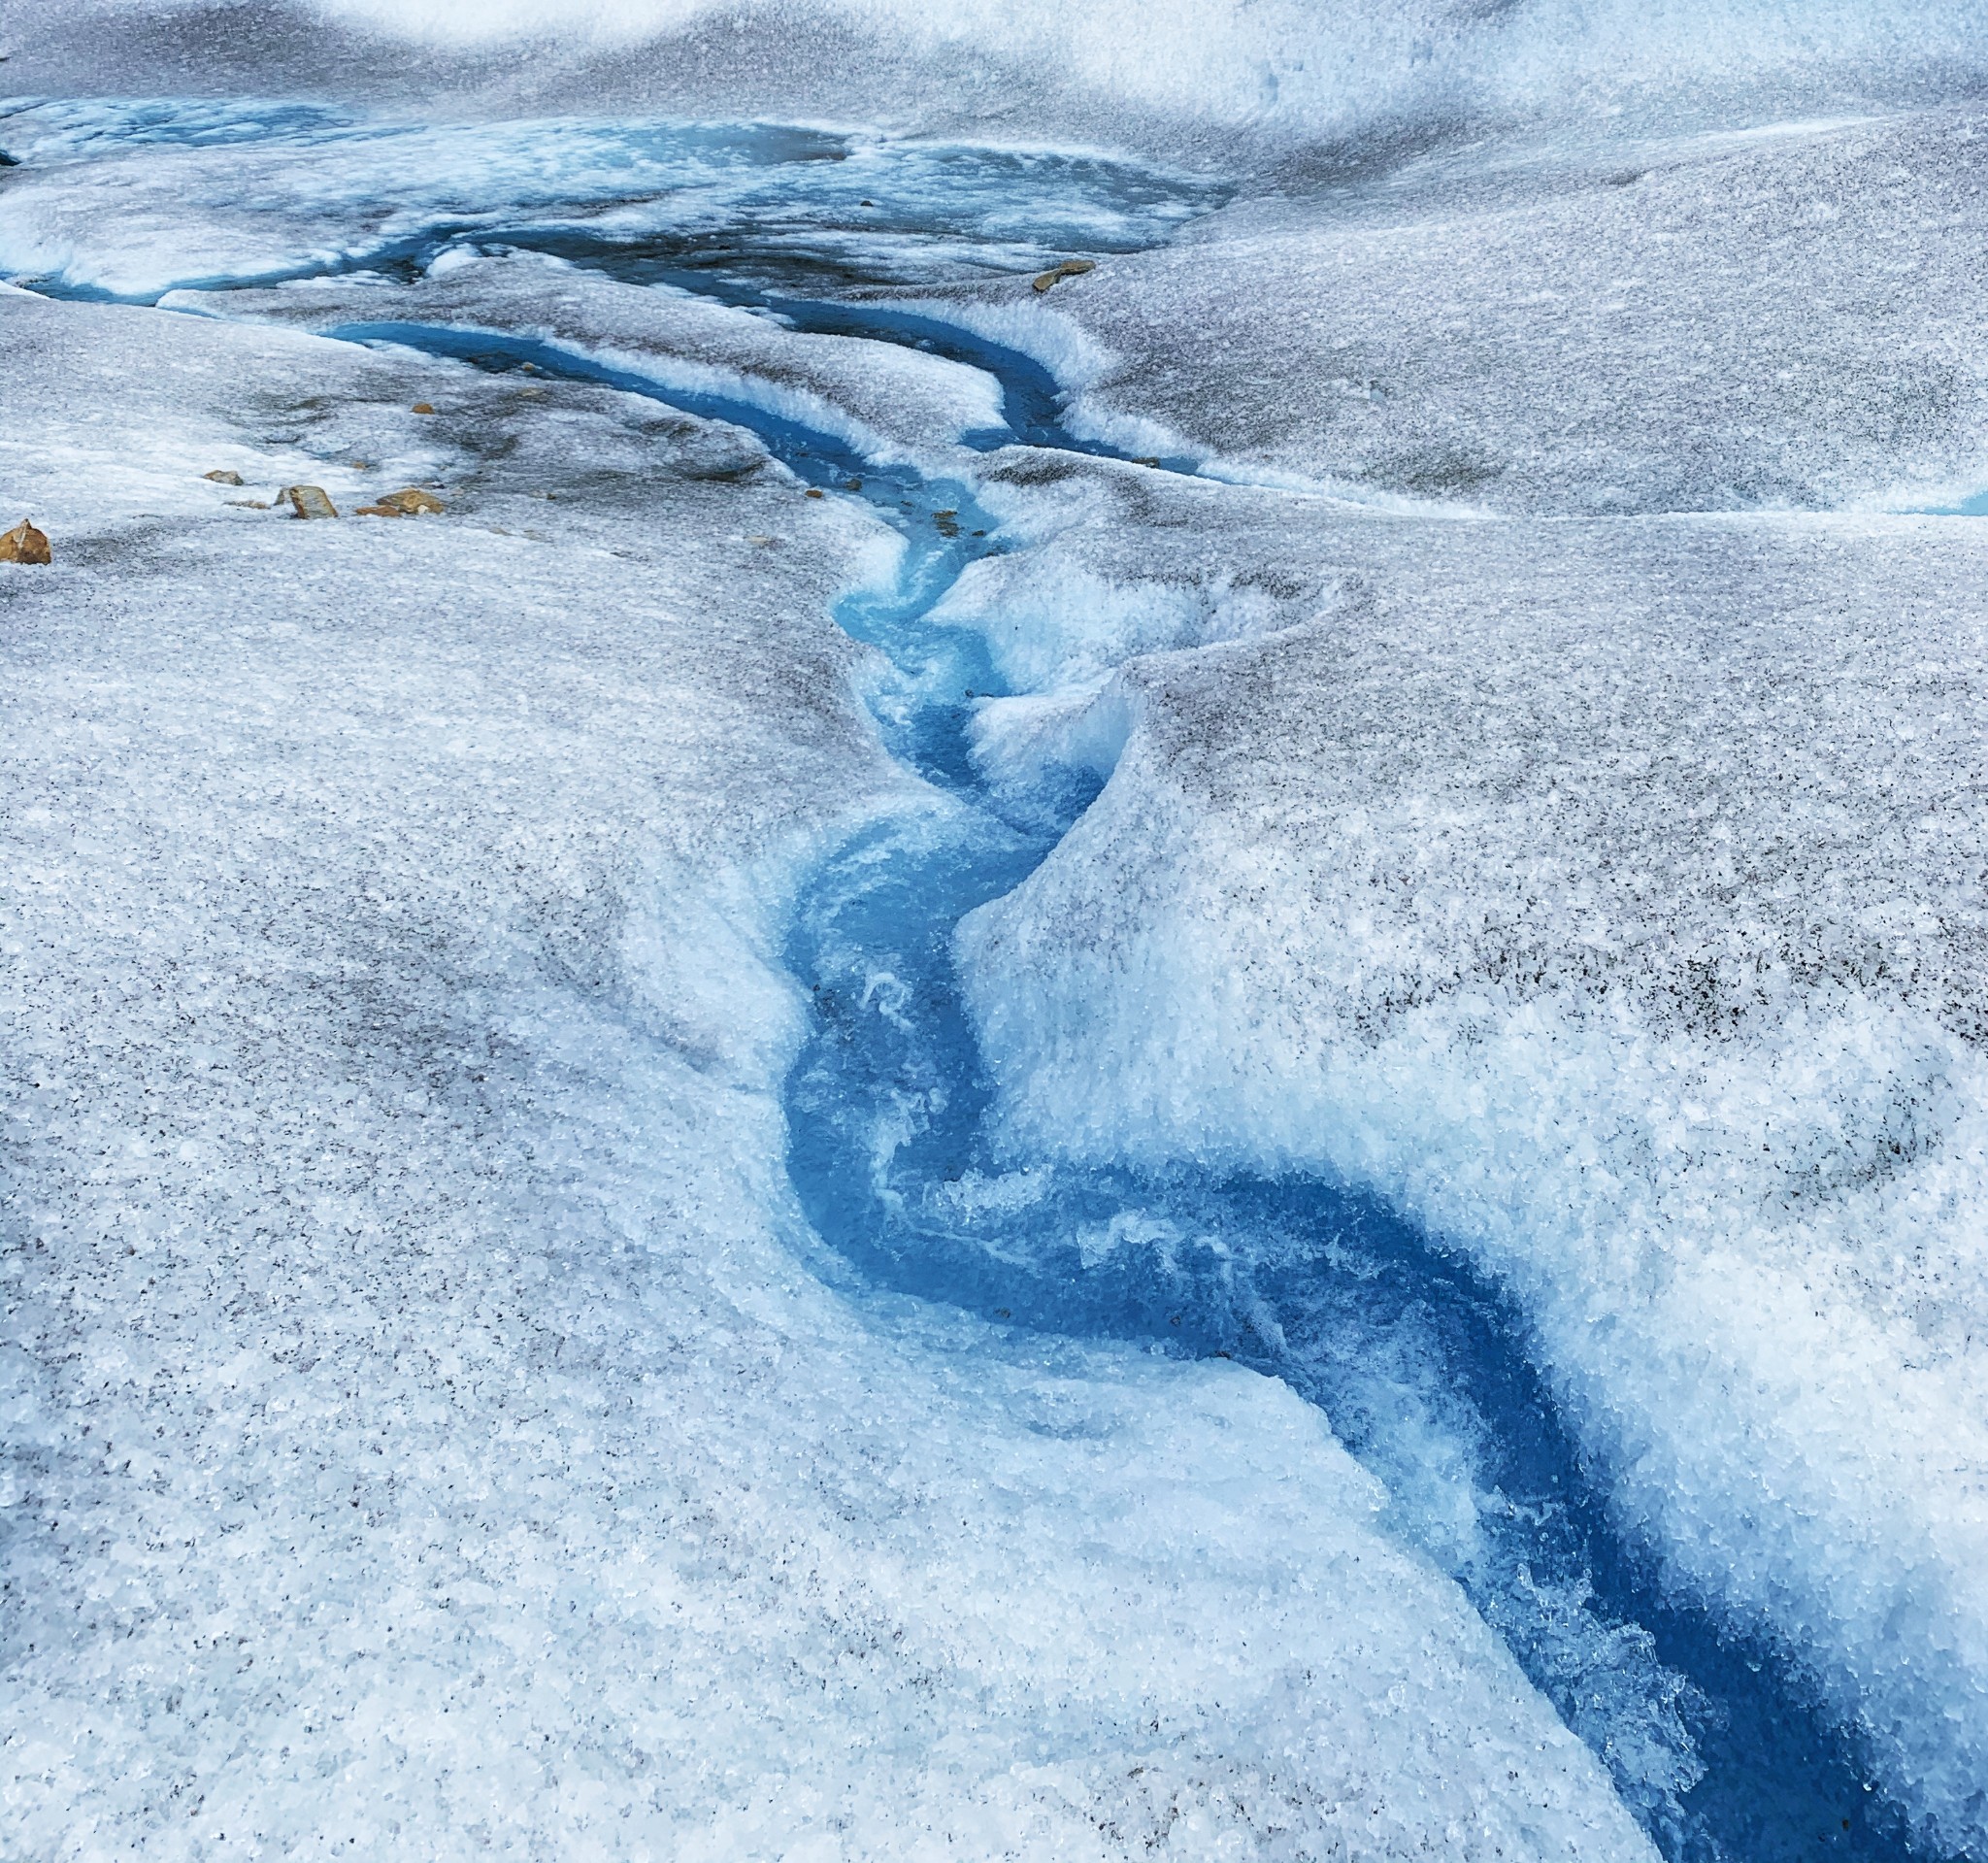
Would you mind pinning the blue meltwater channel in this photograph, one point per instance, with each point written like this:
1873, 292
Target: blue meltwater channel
1422, 1368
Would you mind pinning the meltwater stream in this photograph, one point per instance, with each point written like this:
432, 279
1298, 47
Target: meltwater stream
1419, 1365
1421, 1368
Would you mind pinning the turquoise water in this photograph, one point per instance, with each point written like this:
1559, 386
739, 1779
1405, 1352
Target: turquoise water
1422, 1367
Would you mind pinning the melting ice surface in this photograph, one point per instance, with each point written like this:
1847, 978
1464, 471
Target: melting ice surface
1422, 1370
755, 204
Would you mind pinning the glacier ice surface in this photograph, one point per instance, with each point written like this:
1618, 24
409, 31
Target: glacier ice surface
429, 1427
1605, 893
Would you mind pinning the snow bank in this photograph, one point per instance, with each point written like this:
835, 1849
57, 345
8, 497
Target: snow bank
424, 1435
1608, 897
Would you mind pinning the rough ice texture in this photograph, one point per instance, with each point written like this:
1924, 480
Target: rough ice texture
1611, 896
1716, 323
1203, 76
249, 190
1578, 887
427, 1432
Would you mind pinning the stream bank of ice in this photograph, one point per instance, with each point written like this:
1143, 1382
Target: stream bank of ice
1785, 318
1606, 894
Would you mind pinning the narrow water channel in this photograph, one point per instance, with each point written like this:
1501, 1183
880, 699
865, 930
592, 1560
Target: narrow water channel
1421, 1368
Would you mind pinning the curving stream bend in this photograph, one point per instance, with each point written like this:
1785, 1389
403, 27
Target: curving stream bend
1422, 1368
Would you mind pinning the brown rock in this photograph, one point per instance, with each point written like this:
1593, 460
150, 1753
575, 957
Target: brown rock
224, 477
248, 504
815, 491
1069, 269
307, 501
423, 406
411, 503
24, 544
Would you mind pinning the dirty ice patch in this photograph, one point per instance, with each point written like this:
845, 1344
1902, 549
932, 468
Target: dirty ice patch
187, 405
